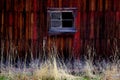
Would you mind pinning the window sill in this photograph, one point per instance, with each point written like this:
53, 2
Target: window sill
55, 31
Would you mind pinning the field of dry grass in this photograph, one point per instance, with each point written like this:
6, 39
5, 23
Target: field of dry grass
53, 68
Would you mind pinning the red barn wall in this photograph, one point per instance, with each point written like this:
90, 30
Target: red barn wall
23, 23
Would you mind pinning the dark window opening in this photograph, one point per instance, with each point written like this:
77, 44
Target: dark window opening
67, 23
67, 15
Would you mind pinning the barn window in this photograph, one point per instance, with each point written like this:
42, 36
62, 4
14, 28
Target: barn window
61, 20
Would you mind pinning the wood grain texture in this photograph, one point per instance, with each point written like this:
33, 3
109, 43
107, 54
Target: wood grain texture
24, 22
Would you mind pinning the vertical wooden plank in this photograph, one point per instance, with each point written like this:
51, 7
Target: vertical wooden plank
118, 4
34, 19
118, 24
60, 3
34, 29
87, 6
32, 24
107, 5
0, 26
27, 5
87, 27
39, 31
66, 3
115, 4
55, 2
2, 5
20, 24
10, 25
40, 5
107, 24
10, 32
8, 5
92, 5
113, 24
15, 5
21, 5
87, 30
11, 18
70, 45
49, 3
12, 5
18, 28
79, 5
27, 25
57, 39
103, 48
45, 18
84, 5
118, 32
97, 17
0, 19
71, 3
101, 26
117, 17
6, 25
15, 28
39, 2
92, 15
29, 31
61, 46
98, 47
2, 22
108, 47
100, 5
83, 23
76, 40
31, 5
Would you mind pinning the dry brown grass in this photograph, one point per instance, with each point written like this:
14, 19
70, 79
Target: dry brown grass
53, 69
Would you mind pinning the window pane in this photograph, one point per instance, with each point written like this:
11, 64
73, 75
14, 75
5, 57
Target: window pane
56, 15
67, 15
56, 23
67, 23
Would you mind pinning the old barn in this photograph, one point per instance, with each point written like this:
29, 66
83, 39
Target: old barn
73, 26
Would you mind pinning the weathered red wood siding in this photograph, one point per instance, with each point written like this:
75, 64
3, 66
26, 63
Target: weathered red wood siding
24, 24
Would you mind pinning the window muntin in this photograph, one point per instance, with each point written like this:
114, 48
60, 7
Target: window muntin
62, 19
